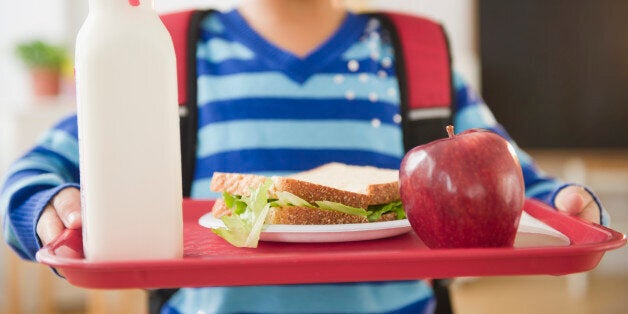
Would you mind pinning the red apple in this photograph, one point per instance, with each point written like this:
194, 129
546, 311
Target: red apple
463, 191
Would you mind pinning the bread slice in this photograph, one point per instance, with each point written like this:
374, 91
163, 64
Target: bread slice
293, 215
380, 186
235, 183
355, 186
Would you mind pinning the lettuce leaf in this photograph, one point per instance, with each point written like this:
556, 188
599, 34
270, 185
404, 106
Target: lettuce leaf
234, 202
342, 208
376, 211
243, 229
288, 199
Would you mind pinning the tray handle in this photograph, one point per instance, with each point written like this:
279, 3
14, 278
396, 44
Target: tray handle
69, 244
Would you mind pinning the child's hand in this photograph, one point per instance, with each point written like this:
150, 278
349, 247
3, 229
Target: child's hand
576, 201
63, 212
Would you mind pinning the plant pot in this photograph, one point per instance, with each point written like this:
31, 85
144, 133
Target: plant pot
46, 82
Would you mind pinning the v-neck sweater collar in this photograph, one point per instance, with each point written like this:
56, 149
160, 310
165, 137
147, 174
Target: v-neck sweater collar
297, 68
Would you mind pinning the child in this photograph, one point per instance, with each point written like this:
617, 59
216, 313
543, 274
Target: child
283, 86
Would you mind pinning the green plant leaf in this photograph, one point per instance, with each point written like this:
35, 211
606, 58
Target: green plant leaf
40, 54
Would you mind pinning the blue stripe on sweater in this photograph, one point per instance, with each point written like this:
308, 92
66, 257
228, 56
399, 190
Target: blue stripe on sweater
257, 160
277, 85
234, 64
63, 145
41, 161
310, 134
218, 50
46, 180
295, 109
67, 168
68, 125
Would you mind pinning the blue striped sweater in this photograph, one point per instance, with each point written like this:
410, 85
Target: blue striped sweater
263, 110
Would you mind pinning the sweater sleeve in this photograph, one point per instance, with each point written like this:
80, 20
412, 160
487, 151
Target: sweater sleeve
472, 112
33, 180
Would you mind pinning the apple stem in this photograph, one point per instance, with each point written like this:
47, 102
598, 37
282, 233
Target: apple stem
450, 131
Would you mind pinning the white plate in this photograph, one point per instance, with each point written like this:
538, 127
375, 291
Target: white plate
533, 232
322, 233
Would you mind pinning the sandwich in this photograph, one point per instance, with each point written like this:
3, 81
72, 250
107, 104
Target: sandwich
333, 193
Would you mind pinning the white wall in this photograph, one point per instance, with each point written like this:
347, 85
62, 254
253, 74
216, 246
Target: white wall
59, 20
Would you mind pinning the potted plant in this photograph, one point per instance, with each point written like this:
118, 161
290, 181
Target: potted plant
45, 62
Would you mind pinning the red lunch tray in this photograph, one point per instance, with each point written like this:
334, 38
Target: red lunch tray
210, 261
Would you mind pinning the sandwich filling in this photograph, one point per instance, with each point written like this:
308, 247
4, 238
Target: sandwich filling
286, 199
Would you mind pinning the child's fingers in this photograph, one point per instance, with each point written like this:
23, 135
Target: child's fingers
576, 201
67, 204
570, 201
591, 212
49, 226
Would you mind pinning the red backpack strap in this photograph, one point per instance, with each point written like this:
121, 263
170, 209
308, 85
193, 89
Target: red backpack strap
178, 24
423, 68
426, 51
184, 30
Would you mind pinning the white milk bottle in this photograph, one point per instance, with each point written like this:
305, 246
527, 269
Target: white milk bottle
130, 157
